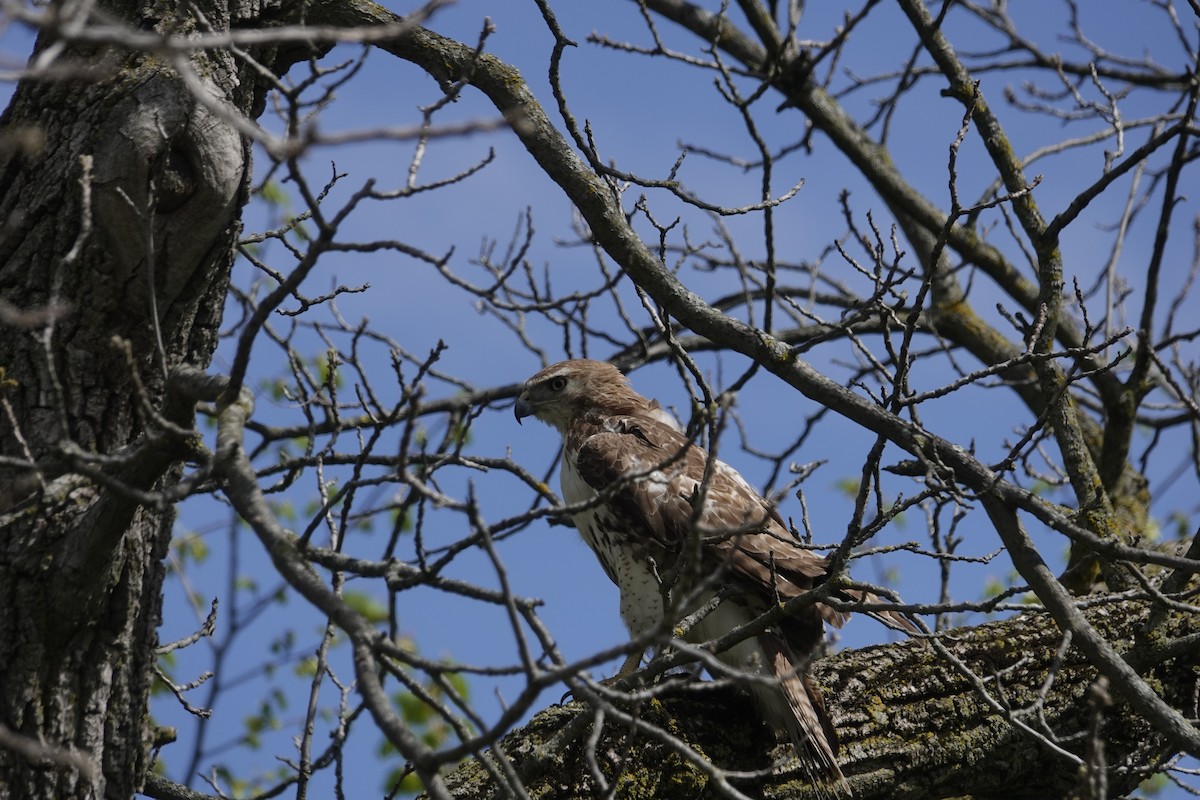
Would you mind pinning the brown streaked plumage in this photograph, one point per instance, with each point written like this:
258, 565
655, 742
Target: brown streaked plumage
628, 450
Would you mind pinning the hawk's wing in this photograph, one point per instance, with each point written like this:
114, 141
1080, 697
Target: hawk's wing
654, 478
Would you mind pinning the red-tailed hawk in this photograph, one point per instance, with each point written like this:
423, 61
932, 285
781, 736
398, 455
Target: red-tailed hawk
653, 504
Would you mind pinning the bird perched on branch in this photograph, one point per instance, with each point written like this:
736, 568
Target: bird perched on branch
671, 526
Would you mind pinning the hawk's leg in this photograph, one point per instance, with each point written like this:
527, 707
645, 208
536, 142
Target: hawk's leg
628, 667
633, 661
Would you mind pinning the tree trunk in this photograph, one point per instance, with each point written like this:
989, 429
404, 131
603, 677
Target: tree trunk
910, 724
121, 196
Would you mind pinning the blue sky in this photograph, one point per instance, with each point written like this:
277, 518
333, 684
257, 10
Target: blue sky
641, 110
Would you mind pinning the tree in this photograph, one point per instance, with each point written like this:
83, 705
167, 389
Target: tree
937, 246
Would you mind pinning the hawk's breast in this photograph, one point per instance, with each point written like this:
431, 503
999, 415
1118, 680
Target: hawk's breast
625, 560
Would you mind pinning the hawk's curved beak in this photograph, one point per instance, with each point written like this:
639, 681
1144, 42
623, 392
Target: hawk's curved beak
522, 408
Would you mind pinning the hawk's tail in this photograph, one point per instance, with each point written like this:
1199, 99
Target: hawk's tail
801, 712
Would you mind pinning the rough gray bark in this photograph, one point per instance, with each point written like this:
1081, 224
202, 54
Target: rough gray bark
911, 725
121, 196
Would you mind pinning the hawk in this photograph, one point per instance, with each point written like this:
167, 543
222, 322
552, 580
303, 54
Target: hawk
645, 500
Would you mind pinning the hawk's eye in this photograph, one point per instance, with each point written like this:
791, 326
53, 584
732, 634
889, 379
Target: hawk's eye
558, 384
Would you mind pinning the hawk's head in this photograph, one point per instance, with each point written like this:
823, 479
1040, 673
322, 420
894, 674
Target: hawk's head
563, 391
